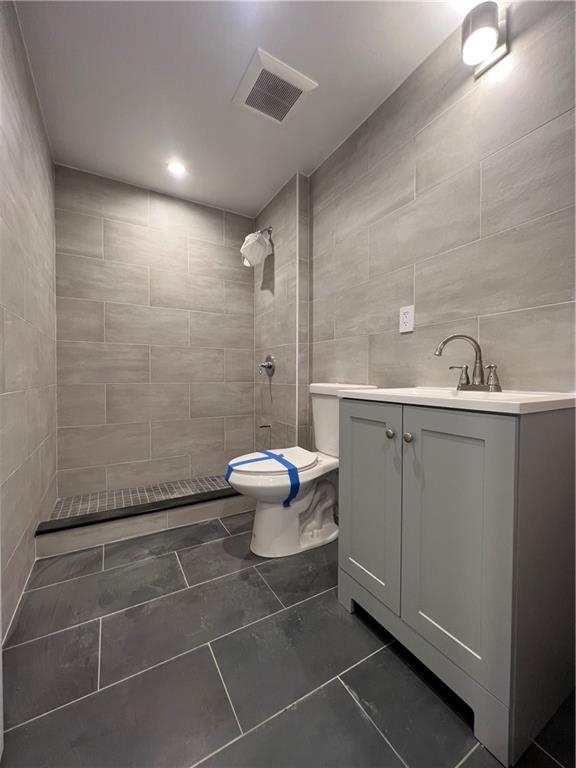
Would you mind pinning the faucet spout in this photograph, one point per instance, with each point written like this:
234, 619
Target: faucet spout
478, 373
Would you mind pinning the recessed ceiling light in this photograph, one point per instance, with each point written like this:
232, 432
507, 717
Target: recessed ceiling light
176, 168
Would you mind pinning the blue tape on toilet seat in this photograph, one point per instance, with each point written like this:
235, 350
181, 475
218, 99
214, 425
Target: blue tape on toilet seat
292, 472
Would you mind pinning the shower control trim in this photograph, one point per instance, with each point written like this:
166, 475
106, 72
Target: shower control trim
268, 366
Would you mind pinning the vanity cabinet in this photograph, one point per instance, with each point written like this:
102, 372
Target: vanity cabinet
456, 534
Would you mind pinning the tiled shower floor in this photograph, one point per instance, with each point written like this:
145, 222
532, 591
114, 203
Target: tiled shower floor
88, 503
181, 648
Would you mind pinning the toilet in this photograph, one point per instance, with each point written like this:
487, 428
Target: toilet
295, 500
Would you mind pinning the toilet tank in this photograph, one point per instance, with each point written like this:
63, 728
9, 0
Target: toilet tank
325, 414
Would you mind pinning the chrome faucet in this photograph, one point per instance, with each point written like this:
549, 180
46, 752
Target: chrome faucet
493, 385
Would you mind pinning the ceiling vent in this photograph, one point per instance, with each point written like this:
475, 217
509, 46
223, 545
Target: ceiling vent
271, 87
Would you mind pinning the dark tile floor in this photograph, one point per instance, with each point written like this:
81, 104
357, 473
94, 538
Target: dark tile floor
182, 648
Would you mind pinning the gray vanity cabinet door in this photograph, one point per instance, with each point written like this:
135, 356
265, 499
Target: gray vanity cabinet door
370, 514
457, 537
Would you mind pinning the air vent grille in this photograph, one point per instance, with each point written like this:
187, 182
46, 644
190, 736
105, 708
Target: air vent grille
271, 87
273, 96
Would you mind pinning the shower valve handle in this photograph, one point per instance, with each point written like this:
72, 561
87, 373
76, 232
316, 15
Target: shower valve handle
268, 366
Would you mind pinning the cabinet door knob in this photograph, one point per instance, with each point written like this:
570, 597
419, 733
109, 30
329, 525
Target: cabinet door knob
408, 437
390, 433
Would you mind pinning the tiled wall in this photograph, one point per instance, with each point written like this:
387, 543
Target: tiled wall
281, 320
27, 316
155, 336
456, 195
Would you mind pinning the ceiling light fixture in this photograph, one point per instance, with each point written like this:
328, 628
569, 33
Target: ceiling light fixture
176, 168
484, 36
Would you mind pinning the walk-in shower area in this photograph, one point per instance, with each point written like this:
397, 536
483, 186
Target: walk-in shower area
158, 385
155, 339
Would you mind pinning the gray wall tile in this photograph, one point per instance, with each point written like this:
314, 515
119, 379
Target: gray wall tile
523, 267
15, 574
186, 364
77, 481
169, 289
95, 195
530, 178
218, 261
13, 434
137, 300
81, 278
79, 234
239, 364
373, 306
14, 270
146, 402
102, 533
133, 244
40, 415
239, 434
279, 286
440, 219
238, 298
146, 325
236, 228
384, 188
191, 219
100, 445
211, 329
345, 264
79, 320
93, 363
408, 360
341, 360
81, 404
221, 399
140, 473
534, 348
174, 438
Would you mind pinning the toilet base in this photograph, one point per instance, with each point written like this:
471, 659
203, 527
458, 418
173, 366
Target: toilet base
307, 523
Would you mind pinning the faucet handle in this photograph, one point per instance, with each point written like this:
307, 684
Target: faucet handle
493, 381
464, 378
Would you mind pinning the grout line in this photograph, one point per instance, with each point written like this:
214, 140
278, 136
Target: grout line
182, 570
226, 529
467, 755
526, 309
225, 688
490, 236
548, 754
99, 651
366, 714
269, 587
288, 706
171, 658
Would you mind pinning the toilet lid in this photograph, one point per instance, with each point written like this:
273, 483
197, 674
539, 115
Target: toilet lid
299, 457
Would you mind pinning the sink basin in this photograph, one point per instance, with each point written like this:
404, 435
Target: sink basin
509, 401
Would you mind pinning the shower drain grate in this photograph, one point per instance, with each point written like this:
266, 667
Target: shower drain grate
102, 501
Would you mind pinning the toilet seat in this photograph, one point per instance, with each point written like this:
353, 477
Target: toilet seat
259, 463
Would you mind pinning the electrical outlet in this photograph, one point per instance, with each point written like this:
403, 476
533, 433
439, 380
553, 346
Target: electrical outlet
406, 319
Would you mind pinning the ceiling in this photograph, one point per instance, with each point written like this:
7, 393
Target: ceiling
126, 86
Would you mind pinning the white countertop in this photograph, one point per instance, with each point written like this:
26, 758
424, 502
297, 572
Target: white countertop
509, 401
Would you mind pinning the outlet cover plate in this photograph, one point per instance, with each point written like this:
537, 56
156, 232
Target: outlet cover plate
406, 319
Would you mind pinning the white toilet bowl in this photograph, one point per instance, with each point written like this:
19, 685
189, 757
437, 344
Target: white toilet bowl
288, 520
296, 503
